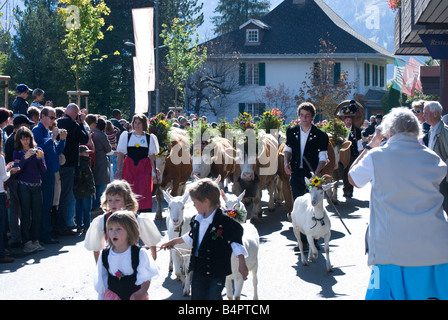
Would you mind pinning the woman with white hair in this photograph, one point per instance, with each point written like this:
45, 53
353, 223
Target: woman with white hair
408, 229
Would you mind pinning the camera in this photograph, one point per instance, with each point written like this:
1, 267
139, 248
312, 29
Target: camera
33, 151
60, 131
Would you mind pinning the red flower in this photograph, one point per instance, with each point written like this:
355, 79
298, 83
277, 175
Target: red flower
219, 232
118, 274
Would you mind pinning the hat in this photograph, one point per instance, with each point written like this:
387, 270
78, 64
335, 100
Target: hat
84, 148
22, 119
349, 110
22, 88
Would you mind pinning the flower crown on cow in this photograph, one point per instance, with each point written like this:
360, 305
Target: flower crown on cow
315, 182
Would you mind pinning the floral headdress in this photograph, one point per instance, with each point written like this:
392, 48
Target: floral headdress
315, 182
271, 119
336, 131
237, 214
244, 121
160, 127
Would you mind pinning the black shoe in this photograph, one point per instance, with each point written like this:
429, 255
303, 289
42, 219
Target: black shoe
50, 241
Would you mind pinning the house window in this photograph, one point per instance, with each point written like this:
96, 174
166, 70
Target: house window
382, 77
255, 109
375, 75
366, 74
252, 73
252, 35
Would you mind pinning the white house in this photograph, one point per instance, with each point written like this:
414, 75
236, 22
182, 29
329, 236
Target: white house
282, 47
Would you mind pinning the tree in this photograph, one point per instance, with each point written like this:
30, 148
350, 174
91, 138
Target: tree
34, 53
234, 13
326, 85
278, 97
184, 56
83, 22
210, 87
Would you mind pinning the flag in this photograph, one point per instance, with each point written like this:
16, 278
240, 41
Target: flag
144, 71
411, 78
397, 82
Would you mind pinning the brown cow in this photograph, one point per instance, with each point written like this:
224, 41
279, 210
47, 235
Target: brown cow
255, 172
175, 169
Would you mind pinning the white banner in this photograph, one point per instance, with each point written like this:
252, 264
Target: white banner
144, 71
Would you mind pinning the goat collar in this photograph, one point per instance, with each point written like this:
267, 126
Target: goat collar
321, 220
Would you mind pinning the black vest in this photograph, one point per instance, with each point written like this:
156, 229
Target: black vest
214, 253
139, 153
125, 286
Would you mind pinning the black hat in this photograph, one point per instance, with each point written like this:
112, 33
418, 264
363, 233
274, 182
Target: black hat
22, 119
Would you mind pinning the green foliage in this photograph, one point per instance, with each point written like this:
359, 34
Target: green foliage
83, 30
184, 56
233, 13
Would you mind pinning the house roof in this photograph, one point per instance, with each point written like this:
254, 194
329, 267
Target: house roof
257, 23
295, 29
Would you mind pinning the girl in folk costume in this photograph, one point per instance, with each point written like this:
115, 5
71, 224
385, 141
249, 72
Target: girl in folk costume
141, 149
124, 271
119, 196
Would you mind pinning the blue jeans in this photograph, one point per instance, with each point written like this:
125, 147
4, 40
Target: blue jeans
3, 220
83, 207
31, 201
47, 203
206, 288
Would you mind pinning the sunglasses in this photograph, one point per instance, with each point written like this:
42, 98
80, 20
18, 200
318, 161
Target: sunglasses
51, 117
417, 111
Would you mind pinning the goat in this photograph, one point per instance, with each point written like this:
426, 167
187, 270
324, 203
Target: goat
181, 211
311, 218
251, 242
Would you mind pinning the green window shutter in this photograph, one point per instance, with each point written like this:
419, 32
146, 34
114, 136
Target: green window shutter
262, 74
242, 74
261, 109
337, 73
241, 107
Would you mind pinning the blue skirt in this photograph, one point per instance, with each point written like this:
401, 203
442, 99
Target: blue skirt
391, 282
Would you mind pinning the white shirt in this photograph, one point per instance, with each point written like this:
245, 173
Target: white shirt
204, 223
123, 143
147, 269
323, 155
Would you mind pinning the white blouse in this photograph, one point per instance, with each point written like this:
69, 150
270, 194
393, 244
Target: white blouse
147, 269
137, 140
95, 236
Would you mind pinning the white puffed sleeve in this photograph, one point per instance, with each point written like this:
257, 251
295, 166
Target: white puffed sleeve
95, 236
153, 145
122, 145
147, 269
149, 233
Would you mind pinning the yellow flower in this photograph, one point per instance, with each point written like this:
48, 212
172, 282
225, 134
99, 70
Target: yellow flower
137, 145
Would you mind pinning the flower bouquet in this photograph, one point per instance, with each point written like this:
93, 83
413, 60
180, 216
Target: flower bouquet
336, 131
160, 127
270, 120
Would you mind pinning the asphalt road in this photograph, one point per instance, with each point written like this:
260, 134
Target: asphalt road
65, 271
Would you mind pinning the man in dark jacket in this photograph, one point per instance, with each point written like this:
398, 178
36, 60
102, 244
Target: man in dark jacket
20, 105
306, 150
72, 121
52, 149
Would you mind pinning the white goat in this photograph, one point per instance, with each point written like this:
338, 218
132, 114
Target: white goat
181, 211
251, 241
310, 218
